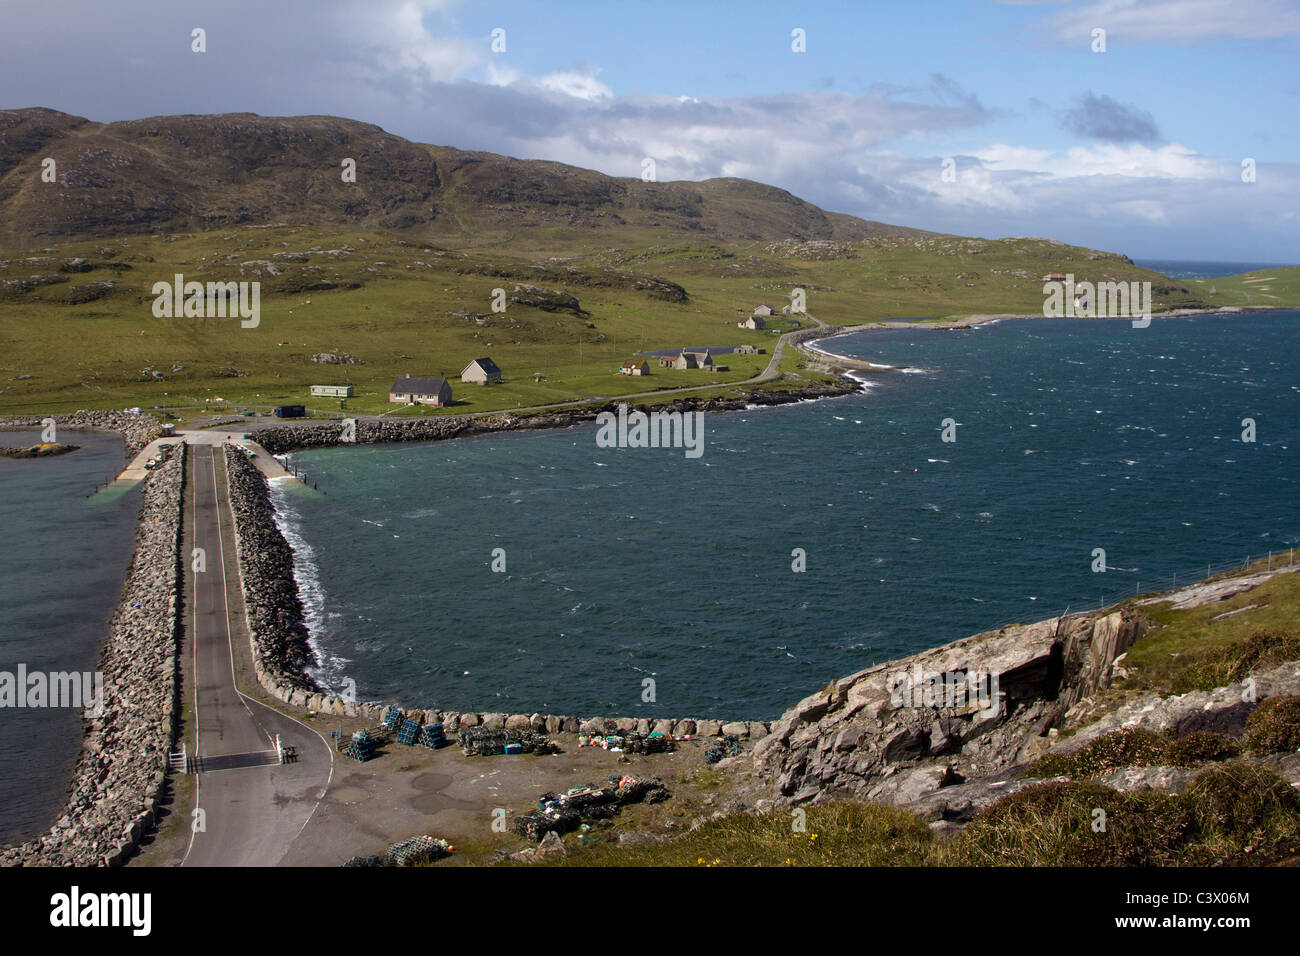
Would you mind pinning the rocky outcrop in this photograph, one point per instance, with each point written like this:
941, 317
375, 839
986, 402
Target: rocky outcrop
279, 439
1223, 710
548, 300
902, 729
280, 640
137, 430
38, 451
121, 772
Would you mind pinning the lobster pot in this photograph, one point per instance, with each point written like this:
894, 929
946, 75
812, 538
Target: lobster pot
432, 736
392, 717
722, 748
408, 732
361, 747
421, 849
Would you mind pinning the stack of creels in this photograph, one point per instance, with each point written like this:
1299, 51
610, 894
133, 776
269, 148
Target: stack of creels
408, 732
432, 736
533, 826
364, 861
638, 789
728, 746
421, 849
361, 746
635, 743
487, 741
392, 717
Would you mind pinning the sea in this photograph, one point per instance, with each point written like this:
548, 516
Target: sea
538, 572
1205, 269
66, 553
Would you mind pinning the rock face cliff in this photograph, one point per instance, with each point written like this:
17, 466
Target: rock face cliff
896, 732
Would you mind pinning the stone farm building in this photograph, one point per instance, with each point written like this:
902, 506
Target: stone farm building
482, 370
635, 368
763, 310
749, 350
685, 359
420, 390
753, 322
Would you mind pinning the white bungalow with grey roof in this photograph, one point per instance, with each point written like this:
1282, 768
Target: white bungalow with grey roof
482, 371
420, 390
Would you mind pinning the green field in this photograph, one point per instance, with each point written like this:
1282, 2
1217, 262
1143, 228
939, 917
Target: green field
402, 306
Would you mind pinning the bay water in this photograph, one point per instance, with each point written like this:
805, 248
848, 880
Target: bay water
625, 565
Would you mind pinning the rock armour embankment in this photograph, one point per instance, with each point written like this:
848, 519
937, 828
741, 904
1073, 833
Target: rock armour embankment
279, 439
121, 773
136, 430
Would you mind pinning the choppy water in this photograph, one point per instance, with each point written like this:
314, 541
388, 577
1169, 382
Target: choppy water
623, 564
1199, 269
61, 571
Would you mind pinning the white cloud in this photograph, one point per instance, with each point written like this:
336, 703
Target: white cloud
1176, 21
581, 84
394, 36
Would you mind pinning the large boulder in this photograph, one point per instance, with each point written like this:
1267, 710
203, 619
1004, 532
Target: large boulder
963, 710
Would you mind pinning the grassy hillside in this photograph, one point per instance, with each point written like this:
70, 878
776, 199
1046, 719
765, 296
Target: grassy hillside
78, 331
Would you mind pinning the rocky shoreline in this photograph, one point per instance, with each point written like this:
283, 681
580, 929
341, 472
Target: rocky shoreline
137, 430
281, 652
853, 739
279, 439
947, 763
121, 774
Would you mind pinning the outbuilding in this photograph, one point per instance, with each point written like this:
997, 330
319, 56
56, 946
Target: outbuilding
481, 371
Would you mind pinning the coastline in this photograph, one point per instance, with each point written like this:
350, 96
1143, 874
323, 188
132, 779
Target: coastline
283, 671
121, 773
280, 439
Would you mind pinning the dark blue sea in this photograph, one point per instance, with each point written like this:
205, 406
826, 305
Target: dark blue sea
627, 564
61, 574
1196, 269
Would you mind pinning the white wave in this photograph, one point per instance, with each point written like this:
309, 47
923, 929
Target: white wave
330, 669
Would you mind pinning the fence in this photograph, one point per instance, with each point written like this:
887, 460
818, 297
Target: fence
1272, 561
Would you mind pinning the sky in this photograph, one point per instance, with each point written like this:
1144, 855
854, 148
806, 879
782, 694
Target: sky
1172, 134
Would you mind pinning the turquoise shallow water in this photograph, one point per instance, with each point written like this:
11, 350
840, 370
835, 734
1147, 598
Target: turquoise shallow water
623, 564
61, 572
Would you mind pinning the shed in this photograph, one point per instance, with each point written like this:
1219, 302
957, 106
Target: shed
482, 371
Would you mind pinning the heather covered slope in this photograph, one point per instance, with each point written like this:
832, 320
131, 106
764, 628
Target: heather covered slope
195, 173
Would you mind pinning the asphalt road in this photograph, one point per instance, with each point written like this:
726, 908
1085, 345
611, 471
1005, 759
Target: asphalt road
250, 814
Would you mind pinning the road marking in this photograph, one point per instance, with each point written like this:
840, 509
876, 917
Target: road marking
194, 645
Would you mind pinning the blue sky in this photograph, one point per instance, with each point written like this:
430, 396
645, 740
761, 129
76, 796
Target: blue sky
1138, 148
